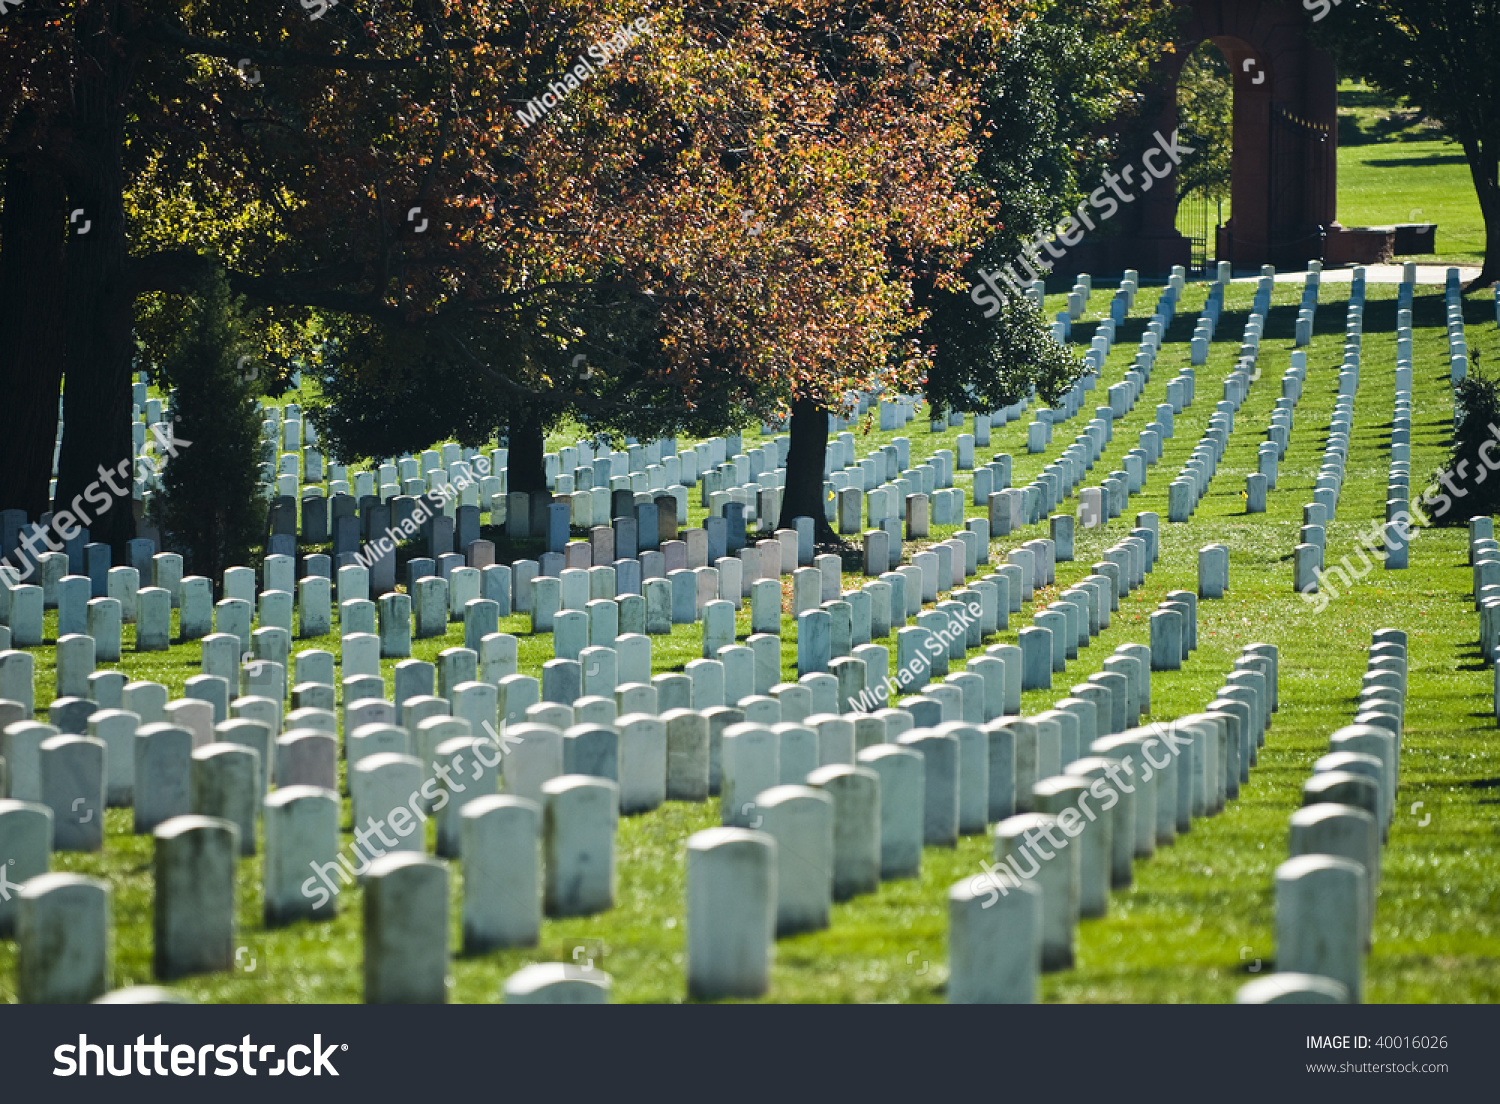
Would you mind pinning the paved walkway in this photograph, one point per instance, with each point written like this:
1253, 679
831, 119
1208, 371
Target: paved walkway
1375, 274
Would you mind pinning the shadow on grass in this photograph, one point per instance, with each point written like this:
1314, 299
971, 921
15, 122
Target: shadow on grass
1419, 162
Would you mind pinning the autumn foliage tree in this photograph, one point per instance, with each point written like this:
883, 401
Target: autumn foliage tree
726, 213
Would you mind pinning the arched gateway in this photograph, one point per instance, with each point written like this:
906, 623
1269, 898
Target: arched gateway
1283, 195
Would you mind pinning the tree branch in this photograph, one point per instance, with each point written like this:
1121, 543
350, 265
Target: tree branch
166, 33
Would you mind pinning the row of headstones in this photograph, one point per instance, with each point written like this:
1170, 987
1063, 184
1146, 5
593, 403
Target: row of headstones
1078, 300
196, 622
1398, 478
831, 635
996, 956
285, 428
290, 459
1081, 612
77, 556
1045, 419
76, 667
876, 466
100, 619
988, 690
1060, 478
1097, 505
582, 467
99, 606
1121, 305
435, 600
941, 423
1484, 561
433, 467
1458, 343
348, 510
1307, 309
62, 922
480, 484
1013, 508
442, 521
869, 824
887, 486
1187, 490
1174, 622
1325, 893
922, 511
757, 478
303, 748
898, 411
213, 686
93, 563
1272, 450
1039, 432
1293, 380
1161, 320
70, 764
892, 461
248, 772
76, 661
1208, 322
831, 832
1104, 335
1105, 332
457, 667
887, 499
895, 412
1078, 297
151, 423
846, 828
665, 580
548, 517
1307, 556
224, 778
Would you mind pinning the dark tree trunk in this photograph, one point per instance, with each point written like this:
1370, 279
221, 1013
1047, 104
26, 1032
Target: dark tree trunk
1484, 168
803, 495
99, 299
1490, 272
31, 308
526, 470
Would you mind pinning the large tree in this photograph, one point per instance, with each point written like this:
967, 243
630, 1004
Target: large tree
1056, 88
735, 214
1440, 56
93, 93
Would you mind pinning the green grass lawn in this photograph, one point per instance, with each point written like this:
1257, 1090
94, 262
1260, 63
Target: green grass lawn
1198, 921
1395, 166
1424, 181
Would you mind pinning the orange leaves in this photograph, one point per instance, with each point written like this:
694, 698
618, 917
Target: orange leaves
780, 174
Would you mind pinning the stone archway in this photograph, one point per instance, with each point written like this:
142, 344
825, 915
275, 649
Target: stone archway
1284, 189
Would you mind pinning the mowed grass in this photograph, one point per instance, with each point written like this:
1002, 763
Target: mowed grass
1395, 166
1199, 918
1425, 181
